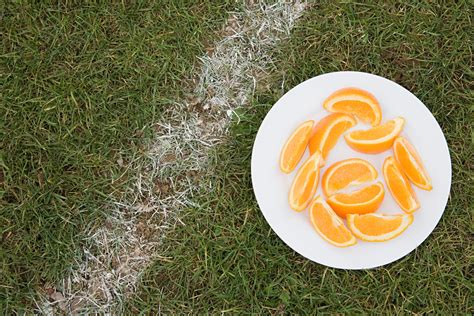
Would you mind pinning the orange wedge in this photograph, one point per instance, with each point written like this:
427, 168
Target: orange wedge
410, 162
305, 183
365, 200
327, 132
295, 146
329, 225
376, 139
355, 101
399, 186
378, 227
347, 172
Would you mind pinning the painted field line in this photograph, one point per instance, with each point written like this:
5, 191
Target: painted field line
176, 162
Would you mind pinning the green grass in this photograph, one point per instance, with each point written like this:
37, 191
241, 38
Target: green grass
81, 85
227, 259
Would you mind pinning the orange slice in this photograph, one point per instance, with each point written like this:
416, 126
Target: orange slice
347, 172
327, 132
329, 225
399, 186
355, 101
295, 146
376, 139
378, 227
305, 183
410, 162
365, 200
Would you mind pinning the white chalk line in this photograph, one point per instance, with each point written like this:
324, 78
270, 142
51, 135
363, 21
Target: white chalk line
116, 254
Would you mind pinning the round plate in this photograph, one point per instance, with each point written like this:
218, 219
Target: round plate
271, 186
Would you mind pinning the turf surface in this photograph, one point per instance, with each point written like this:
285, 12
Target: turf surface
81, 85
225, 258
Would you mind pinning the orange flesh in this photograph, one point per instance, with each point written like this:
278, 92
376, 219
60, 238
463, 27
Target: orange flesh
347, 174
375, 133
295, 147
306, 194
364, 111
330, 226
411, 163
360, 196
363, 201
399, 186
332, 139
305, 183
317, 141
349, 91
374, 226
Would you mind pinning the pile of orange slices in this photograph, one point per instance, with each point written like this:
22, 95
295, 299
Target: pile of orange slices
357, 208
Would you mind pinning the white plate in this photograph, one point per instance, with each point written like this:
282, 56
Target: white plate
271, 186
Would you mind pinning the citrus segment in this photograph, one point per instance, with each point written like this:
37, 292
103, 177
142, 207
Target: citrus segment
411, 164
295, 146
347, 172
329, 225
378, 227
327, 132
305, 183
399, 186
355, 101
365, 200
376, 139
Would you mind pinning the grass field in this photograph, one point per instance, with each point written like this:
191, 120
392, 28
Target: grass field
225, 258
82, 86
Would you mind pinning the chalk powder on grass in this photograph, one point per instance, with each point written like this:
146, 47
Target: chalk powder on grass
116, 254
